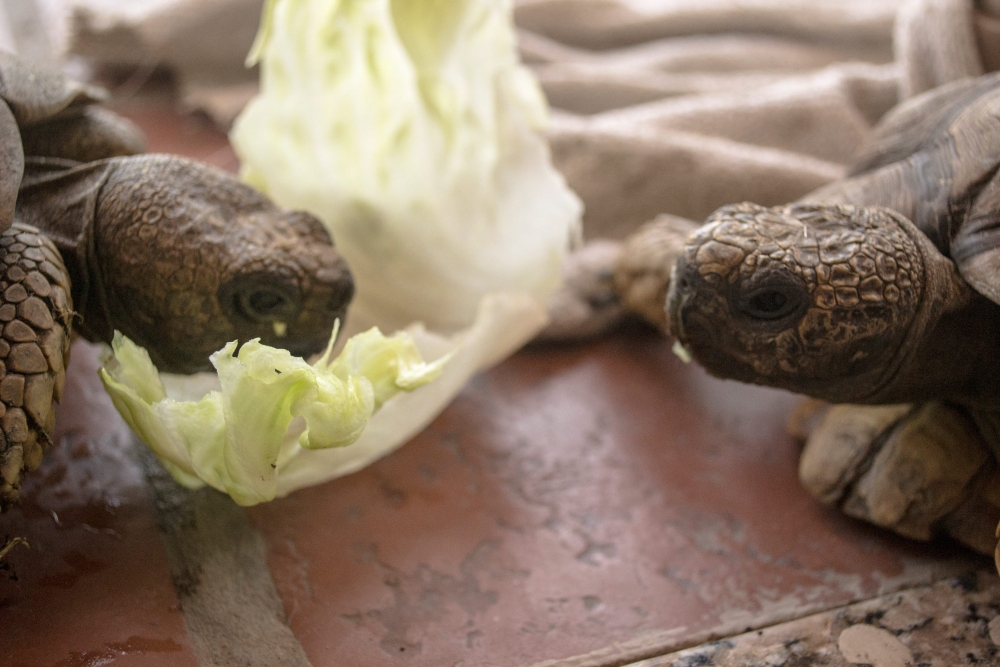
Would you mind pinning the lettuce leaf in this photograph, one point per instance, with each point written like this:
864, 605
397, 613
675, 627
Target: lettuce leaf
412, 131
236, 439
410, 128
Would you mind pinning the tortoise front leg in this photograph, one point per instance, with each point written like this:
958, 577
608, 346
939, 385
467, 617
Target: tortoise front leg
586, 304
606, 281
919, 471
647, 259
35, 324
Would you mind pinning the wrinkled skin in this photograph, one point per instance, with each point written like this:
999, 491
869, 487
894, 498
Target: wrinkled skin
843, 303
855, 305
183, 258
180, 257
791, 297
883, 289
902, 301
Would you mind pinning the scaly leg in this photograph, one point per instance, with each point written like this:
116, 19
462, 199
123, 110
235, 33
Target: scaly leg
918, 470
35, 324
642, 274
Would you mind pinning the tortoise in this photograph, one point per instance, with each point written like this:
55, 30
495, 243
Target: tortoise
880, 289
98, 237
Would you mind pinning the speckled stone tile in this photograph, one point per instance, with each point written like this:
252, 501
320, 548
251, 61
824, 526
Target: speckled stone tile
953, 622
94, 587
601, 497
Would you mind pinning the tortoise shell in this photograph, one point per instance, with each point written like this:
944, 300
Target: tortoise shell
935, 160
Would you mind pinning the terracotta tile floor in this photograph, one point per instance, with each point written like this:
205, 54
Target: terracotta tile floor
600, 499
94, 587
571, 498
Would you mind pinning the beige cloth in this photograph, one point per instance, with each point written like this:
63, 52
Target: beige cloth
761, 100
202, 43
738, 100
24, 31
659, 106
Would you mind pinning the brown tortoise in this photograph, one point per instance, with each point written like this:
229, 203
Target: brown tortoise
880, 289
180, 257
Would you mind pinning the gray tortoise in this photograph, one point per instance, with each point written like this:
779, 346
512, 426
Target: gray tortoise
881, 289
96, 237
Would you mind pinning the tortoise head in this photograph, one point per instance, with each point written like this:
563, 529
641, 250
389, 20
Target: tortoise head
190, 258
814, 299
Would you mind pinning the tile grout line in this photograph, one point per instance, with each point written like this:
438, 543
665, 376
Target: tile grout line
218, 565
660, 643
867, 606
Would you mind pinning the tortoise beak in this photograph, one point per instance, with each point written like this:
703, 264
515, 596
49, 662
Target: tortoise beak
677, 298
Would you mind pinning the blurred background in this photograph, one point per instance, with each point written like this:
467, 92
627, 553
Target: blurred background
659, 106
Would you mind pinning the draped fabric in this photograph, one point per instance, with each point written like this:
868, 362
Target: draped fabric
660, 107
678, 108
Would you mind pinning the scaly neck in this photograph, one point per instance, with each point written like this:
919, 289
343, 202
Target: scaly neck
953, 349
60, 198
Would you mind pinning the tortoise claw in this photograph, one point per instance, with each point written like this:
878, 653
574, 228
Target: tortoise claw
918, 471
586, 304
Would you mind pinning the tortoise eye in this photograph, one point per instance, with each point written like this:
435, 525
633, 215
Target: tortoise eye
259, 298
264, 303
770, 303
